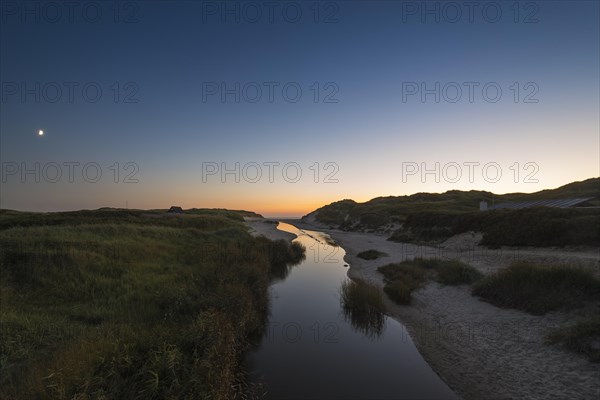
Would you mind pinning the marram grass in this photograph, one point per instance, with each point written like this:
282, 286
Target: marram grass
129, 305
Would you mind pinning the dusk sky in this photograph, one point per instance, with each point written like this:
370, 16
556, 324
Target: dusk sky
187, 90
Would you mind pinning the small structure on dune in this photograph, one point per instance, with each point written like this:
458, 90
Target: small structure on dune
175, 210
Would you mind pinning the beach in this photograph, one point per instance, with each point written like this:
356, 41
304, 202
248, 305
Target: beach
479, 350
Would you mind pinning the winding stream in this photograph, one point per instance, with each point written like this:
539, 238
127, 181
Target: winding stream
314, 348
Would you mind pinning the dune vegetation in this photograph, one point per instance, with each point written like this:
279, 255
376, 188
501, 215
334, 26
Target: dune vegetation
582, 338
132, 304
363, 306
538, 289
402, 279
371, 254
431, 218
539, 226
454, 273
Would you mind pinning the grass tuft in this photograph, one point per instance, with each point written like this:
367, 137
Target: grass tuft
371, 254
582, 338
538, 289
457, 273
363, 307
399, 291
402, 279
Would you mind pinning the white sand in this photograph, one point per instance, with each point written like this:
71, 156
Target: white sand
479, 350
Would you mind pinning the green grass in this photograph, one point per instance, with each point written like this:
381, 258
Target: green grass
131, 304
538, 289
363, 307
357, 294
457, 273
371, 254
400, 291
582, 338
282, 256
402, 279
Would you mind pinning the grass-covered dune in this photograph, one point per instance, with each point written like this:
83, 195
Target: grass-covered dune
131, 304
431, 217
538, 226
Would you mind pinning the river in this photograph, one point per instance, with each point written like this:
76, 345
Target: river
313, 348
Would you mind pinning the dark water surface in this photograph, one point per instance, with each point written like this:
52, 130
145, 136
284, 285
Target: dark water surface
313, 349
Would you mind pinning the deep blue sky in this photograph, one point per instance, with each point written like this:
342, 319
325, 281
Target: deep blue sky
374, 48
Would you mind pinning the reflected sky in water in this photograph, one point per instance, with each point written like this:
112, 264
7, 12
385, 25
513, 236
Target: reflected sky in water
311, 349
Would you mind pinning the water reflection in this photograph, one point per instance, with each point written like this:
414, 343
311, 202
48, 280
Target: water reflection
282, 256
363, 307
280, 268
328, 338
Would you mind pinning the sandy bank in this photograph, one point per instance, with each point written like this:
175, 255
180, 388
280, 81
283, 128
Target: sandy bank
481, 351
267, 228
